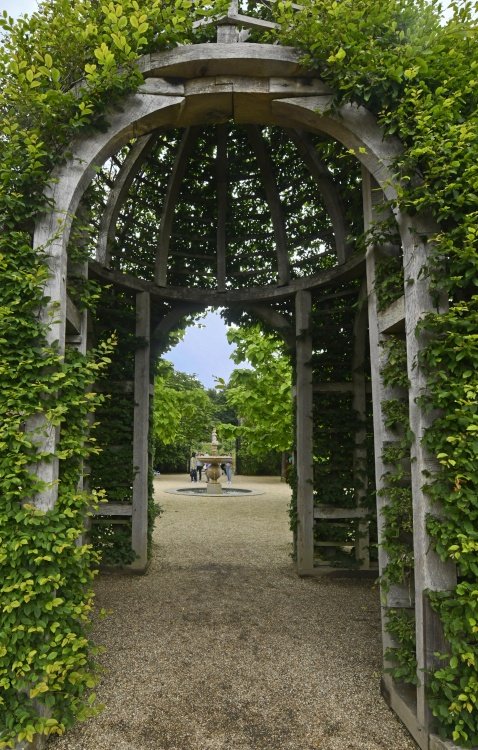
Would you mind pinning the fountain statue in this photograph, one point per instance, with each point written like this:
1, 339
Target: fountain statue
214, 461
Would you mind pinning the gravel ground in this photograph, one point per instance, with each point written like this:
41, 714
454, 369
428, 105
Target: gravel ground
222, 647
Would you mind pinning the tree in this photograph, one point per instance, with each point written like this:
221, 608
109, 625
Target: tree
183, 416
261, 395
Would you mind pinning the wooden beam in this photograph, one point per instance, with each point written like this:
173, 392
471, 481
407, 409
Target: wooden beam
221, 172
172, 193
124, 179
273, 199
114, 509
304, 441
392, 320
139, 538
326, 184
352, 269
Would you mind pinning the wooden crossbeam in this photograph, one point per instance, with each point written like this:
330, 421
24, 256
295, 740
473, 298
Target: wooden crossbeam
352, 269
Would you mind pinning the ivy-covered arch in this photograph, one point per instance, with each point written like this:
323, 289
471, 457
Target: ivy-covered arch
220, 82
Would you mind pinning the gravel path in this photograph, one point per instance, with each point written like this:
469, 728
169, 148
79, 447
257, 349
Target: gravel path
222, 647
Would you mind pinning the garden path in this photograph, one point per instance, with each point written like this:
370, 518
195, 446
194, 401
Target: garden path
222, 647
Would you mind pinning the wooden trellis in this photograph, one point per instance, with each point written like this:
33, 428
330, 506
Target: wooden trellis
259, 85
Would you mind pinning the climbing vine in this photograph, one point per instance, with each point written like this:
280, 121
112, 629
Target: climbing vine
417, 73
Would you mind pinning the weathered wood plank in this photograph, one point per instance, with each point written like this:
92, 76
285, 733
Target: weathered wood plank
243, 59
114, 509
430, 572
392, 320
330, 511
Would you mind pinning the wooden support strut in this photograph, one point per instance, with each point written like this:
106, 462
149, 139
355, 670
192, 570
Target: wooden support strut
304, 410
431, 573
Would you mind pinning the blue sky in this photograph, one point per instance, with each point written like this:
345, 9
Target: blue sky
204, 352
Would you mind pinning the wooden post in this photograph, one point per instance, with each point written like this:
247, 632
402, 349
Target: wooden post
359, 406
398, 596
304, 407
221, 171
430, 572
139, 539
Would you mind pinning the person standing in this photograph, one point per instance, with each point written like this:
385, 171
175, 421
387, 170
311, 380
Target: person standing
228, 470
199, 467
193, 468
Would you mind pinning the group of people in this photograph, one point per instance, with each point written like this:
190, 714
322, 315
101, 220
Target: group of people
196, 467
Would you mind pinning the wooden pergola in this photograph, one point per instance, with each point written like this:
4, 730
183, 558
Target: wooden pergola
255, 86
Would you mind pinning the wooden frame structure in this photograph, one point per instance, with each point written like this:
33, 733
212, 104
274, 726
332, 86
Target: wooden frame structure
256, 85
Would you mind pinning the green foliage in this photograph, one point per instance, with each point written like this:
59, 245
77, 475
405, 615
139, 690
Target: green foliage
401, 626
184, 416
262, 395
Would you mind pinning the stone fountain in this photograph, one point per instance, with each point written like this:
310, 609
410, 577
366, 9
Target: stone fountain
213, 472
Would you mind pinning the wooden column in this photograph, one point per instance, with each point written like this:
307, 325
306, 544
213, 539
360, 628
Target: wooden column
141, 434
304, 417
430, 572
398, 596
359, 405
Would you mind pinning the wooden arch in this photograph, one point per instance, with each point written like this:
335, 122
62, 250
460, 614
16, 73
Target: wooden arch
261, 84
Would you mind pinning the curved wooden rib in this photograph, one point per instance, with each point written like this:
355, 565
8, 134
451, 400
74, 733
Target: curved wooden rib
167, 216
273, 199
277, 321
325, 183
129, 169
167, 323
221, 171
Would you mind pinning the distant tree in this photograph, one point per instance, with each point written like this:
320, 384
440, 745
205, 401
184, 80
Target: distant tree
260, 395
183, 416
